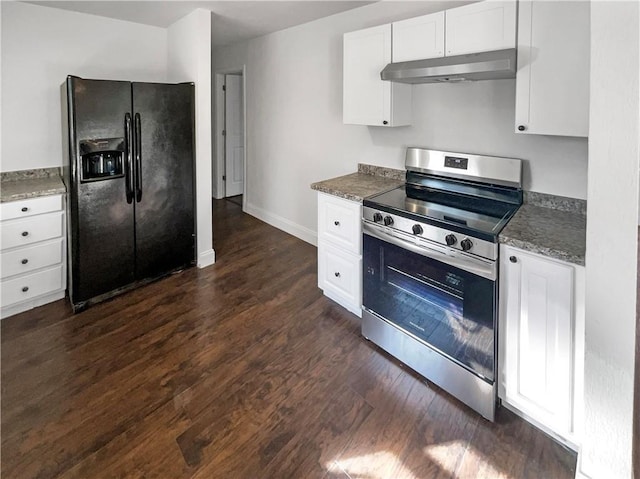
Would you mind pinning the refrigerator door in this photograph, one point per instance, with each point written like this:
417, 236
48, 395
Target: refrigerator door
102, 223
164, 160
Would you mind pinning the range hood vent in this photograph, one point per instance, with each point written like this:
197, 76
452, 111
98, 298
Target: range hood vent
475, 66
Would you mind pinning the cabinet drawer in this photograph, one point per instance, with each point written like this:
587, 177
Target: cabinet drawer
30, 258
339, 273
30, 207
29, 286
31, 230
339, 222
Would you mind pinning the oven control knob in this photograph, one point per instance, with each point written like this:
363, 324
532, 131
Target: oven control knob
377, 217
388, 220
451, 240
466, 244
417, 229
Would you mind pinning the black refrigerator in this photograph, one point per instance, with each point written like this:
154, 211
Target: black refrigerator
130, 179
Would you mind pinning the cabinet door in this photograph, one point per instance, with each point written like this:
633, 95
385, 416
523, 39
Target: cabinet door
367, 99
537, 325
480, 27
552, 83
418, 38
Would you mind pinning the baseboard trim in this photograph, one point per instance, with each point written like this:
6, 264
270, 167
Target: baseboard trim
288, 226
580, 474
206, 258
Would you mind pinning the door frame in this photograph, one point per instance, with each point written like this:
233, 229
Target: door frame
219, 124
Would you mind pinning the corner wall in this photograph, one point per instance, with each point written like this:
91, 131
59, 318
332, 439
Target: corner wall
611, 259
40, 47
189, 60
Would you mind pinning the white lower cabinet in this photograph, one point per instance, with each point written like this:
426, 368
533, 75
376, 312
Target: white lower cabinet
33, 258
340, 251
541, 341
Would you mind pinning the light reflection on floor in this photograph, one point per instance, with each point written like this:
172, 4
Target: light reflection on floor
445, 456
379, 465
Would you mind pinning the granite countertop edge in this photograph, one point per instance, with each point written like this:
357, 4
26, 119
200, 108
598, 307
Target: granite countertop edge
15, 188
550, 252
554, 232
367, 181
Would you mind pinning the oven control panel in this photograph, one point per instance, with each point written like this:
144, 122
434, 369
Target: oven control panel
443, 236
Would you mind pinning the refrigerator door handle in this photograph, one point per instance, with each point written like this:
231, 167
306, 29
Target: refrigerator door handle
138, 149
128, 139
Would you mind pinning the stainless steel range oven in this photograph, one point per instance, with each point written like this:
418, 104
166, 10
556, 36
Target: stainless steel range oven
430, 268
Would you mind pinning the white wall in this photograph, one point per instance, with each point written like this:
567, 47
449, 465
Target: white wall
611, 240
189, 59
40, 47
295, 134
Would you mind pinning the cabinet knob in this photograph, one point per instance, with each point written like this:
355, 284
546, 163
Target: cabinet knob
513, 259
25, 289
24, 209
385, 122
25, 233
337, 274
337, 223
24, 261
521, 127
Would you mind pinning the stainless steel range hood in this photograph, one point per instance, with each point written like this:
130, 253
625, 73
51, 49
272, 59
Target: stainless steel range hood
475, 66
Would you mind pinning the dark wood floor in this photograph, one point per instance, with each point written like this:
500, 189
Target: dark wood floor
239, 370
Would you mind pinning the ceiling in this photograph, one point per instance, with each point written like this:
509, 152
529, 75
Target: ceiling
233, 21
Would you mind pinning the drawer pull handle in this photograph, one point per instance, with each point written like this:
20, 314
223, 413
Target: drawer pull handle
24, 261
25, 233
25, 289
337, 223
513, 259
24, 209
337, 274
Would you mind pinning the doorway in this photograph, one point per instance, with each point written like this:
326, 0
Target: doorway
230, 167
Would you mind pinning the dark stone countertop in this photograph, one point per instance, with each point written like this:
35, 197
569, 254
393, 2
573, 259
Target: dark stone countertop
551, 232
367, 182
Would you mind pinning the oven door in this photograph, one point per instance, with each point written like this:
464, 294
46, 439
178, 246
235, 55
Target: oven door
451, 309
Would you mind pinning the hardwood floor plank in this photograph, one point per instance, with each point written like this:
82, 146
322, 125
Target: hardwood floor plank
441, 438
375, 448
242, 369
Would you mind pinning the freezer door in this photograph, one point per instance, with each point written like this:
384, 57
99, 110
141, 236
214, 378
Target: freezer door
102, 222
164, 130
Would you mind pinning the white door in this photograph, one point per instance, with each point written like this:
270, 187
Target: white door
234, 136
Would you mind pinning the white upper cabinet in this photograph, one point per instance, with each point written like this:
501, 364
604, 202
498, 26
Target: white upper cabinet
367, 100
418, 38
552, 83
480, 27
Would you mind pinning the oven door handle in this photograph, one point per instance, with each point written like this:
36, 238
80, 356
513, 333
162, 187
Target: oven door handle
486, 269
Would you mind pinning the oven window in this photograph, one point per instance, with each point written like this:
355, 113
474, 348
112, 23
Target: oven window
447, 308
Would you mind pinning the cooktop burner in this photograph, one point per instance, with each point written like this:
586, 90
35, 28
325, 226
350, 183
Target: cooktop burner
480, 217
